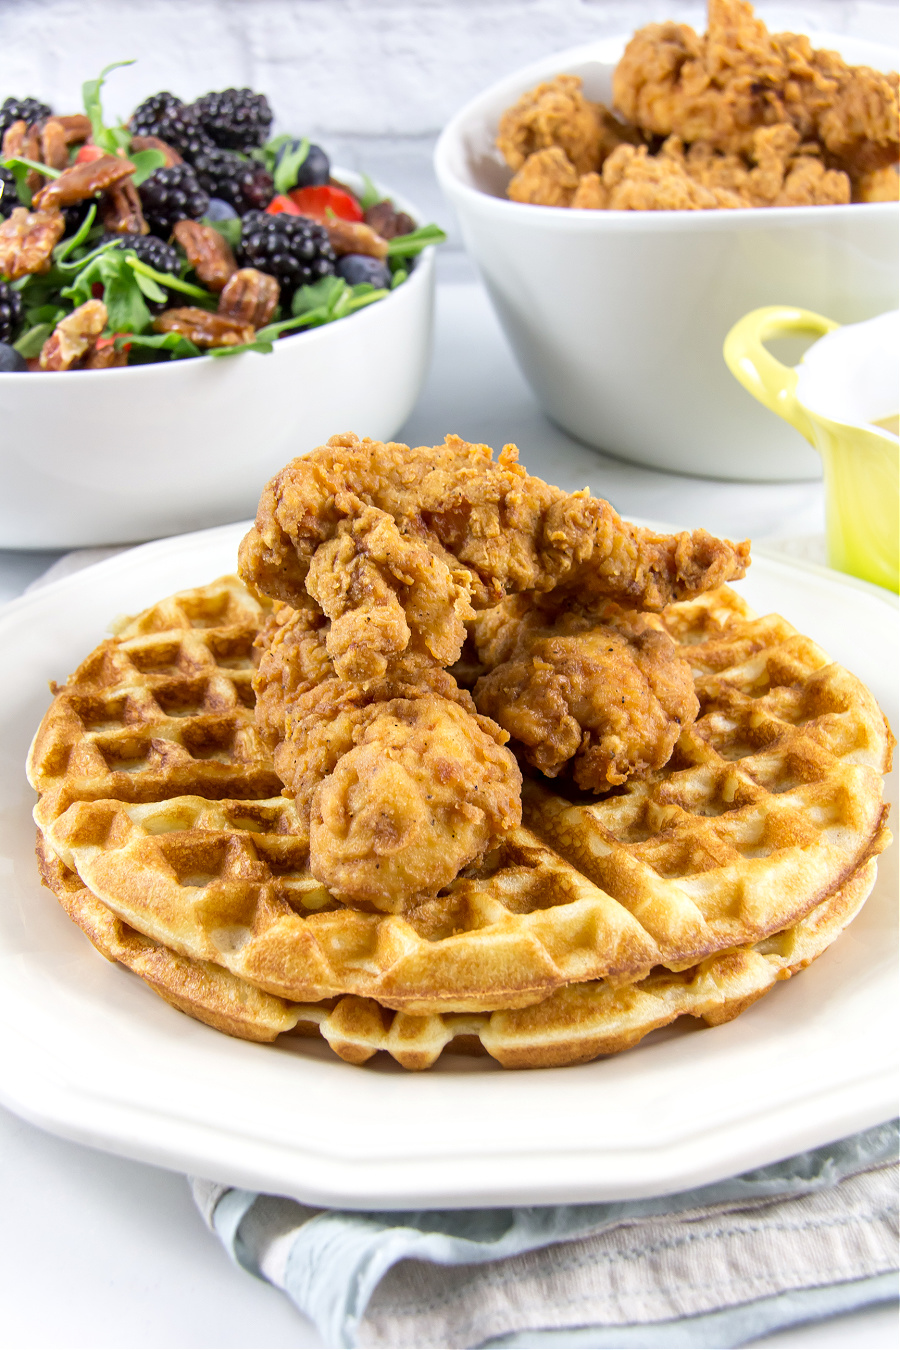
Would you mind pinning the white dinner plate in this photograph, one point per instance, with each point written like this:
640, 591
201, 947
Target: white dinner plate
89, 1052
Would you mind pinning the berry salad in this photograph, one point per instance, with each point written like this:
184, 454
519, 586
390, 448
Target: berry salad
188, 231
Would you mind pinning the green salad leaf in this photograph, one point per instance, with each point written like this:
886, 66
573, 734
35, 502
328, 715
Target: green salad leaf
146, 162
206, 299
30, 343
370, 196
110, 138
67, 246
405, 245
288, 168
176, 344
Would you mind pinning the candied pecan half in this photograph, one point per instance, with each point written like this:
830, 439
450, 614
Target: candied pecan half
208, 253
83, 180
120, 209
154, 143
27, 239
76, 126
349, 236
73, 336
54, 147
203, 328
14, 139
250, 297
387, 221
23, 140
102, 355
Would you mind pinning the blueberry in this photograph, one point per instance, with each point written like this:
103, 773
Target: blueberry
357, 267
219, 210
315, 169
10, 360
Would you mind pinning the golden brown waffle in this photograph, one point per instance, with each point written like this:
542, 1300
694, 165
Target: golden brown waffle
770, 804
164, 707
572, 1026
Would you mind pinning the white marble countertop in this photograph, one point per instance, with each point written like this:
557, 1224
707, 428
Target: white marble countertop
98, 1251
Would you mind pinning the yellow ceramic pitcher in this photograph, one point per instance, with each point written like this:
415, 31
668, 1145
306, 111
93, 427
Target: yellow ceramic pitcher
843, 399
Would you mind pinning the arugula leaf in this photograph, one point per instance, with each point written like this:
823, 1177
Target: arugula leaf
62, 251
166, 279
260, 345
404, 245
178, 346
17, 161
125, 305
370, 196
122, 295
110, 139
288, 168
321, 294
45, 314
151, 289
230, 230
146, 162
398, 277
66, 266
268, 153
30, 343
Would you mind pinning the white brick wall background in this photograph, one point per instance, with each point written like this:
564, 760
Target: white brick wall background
372, 80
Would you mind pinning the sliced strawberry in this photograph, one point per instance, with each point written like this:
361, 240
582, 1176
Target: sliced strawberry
282, 205
88, 153
322, 203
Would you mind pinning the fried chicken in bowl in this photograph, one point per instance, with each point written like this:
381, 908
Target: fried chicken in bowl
617, 312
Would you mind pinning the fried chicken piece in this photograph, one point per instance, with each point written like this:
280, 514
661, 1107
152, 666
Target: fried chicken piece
722, 87
880, 185
634, 180
402, 782
777, 171
546, 178
556, 115
416, 538
604, 697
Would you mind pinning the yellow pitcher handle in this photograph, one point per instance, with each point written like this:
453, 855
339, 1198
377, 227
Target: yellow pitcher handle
766, 378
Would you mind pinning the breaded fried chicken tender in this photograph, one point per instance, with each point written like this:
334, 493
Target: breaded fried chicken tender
401, 782
400, 546
557, 115
603, 696
721, 87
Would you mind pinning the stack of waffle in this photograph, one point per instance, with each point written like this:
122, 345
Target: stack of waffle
163, 833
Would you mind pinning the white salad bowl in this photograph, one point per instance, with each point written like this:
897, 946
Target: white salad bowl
617, 318
113, 456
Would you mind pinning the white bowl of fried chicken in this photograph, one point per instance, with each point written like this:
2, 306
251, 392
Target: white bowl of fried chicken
626, 203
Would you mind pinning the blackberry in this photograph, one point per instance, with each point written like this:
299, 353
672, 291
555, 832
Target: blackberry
9, 197
172, 121
22, 110
293, 249
236, 119
10, 312
170, 195
223, 174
